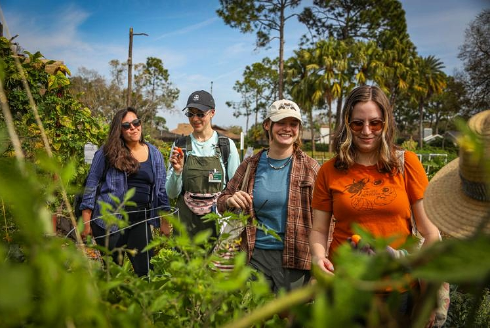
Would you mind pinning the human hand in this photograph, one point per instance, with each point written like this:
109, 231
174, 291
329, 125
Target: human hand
431, 320
165, 227
324, 264
87, 231
240, 199
177, 159
86, 216
396, 253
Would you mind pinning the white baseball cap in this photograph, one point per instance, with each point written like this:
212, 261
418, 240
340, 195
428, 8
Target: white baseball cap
283, 108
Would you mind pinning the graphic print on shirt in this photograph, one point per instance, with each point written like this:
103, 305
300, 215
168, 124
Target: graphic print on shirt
367, 195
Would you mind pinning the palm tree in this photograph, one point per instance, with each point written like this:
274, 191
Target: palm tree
300, 80
328, 57
431, 81
398, 67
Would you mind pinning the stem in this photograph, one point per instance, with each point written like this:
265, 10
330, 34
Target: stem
278, 305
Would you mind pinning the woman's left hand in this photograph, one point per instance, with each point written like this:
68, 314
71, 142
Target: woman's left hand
165, 227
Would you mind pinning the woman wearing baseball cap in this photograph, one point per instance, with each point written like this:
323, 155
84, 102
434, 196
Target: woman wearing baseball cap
199, 165
278, 195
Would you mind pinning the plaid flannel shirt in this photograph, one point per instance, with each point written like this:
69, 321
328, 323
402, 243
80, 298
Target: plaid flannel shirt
296, 254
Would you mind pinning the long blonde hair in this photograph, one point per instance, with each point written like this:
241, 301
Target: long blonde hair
343, 138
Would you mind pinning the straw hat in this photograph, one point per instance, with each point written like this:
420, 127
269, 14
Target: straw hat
457, 198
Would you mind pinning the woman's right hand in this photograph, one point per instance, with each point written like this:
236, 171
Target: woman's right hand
86, 215
240, 199
324, 264
177, 159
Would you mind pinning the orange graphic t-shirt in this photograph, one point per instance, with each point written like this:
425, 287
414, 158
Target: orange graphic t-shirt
378, 202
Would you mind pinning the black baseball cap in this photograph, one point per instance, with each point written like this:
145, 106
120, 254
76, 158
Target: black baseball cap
201, 100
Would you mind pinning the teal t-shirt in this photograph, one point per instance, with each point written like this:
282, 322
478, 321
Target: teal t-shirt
271, 190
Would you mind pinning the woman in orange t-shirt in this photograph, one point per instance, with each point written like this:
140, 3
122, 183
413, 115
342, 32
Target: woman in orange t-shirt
365, 182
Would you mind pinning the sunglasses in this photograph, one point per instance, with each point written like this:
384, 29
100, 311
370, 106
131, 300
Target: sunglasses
200, 114
374, 125
127, 125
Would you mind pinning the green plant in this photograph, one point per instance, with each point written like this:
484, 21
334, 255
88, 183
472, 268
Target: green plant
461, 307
409, 145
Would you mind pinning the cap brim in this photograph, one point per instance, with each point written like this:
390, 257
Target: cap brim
279, 116
450, 209
198, 106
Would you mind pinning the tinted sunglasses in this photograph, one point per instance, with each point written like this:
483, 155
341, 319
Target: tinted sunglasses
200, 114
127, 125
374, 125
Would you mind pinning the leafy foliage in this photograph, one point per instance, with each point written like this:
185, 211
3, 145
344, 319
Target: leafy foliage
475, 52
67, 123
267, 18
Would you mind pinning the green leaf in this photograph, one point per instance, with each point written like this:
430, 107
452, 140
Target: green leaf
202, 237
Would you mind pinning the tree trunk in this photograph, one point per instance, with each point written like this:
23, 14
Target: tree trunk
339, 107
330, 135
312, 129
281, 53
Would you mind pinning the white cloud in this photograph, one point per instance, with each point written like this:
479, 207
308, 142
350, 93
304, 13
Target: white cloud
188, 29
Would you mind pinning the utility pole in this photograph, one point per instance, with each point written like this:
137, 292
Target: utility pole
211, 87
130, 63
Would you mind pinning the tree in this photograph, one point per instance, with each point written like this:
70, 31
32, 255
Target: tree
447, 104
263, 16
352, 19
301, 83
153, 90
398, 65
258, 89
431, 81
92, 89
475, 52
160, 123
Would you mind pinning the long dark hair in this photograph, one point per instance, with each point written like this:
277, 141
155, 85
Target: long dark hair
115, 149
343, 145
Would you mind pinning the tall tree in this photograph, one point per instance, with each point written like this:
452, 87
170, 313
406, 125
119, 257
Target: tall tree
302, 89
475, 52
153, 89
329, 58
152, 92
266, 17
431, 81
92, 89
398, 64
351, 21
258, 89
446, 105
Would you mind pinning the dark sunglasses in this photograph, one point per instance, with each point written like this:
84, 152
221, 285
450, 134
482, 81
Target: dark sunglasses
200, 114
374, 125
127, 125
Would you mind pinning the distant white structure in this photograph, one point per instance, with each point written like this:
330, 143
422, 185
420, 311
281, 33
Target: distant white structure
89, 151
324, 135
427, 132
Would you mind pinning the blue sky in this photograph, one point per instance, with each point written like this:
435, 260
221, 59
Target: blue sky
197, 48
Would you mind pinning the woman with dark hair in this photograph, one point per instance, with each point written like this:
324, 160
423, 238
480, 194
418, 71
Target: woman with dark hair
278, 195
124, 162
367, 183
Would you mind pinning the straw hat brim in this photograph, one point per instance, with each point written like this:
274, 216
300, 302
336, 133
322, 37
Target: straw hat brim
449, 208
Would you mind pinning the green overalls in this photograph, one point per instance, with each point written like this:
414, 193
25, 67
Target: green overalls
201, 175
